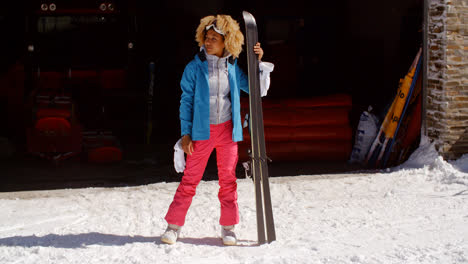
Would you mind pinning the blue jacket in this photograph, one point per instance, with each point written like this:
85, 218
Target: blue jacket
195, 99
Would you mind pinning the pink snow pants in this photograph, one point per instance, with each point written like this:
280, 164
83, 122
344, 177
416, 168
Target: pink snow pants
226, 155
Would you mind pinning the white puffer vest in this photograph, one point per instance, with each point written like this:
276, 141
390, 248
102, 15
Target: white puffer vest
220, 99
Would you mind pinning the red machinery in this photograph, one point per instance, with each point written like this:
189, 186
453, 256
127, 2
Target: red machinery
79, 56
54, 132
315, 128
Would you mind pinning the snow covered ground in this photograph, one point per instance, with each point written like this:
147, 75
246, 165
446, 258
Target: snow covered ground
415, 213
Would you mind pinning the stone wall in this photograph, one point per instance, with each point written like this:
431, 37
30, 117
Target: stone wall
447, 89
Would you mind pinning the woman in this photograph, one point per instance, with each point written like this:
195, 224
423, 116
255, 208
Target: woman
210, 118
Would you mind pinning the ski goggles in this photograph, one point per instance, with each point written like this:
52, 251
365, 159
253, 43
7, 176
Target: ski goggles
213, 26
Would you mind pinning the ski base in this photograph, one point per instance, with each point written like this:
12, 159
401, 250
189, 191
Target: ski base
259, 166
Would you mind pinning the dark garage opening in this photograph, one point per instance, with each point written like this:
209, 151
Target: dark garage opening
357, 48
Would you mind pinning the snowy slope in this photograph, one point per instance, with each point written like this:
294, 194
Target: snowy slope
415, 213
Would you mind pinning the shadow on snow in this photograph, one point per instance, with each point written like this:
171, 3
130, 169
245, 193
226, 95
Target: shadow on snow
89, 239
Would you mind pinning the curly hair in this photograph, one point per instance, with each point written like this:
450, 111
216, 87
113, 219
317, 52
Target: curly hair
233, 37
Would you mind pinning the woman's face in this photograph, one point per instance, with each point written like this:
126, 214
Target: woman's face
214, 43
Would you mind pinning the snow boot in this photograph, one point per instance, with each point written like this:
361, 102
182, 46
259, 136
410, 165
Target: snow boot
228, 235
171, 234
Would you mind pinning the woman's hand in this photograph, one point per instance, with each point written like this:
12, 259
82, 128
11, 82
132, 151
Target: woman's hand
258, 50
187, 144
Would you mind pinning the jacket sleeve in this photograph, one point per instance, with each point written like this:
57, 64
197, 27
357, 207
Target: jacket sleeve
187, 85
265, 69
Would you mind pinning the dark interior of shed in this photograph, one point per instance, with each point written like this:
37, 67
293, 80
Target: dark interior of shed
358, 48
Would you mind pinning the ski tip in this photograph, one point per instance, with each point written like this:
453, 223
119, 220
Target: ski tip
247, 15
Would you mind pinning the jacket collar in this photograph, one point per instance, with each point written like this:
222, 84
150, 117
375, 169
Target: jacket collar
202, 56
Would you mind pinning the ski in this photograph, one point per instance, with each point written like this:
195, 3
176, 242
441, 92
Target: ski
259, 166
408, 100
389, 125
